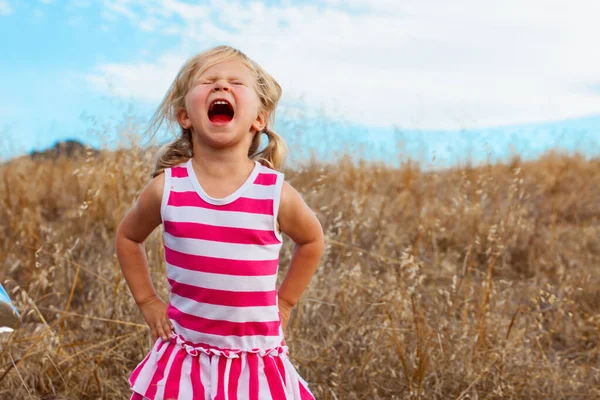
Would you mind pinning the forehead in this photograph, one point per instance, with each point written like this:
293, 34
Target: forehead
228, 67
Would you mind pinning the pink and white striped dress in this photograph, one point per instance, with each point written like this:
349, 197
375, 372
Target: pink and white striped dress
222, 257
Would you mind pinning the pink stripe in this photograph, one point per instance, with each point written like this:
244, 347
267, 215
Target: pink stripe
136, 396
221, 265
159, 373
160, 345
234, 377
266, 179
221, 379
179, 172
223, 328
276, 385
304, 393
242, 204
224, 297
139, 368
253, 383
197, 386
174, 377
222, 234
281, 368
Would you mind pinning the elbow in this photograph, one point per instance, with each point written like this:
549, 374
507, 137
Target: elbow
119, 236
119, 240
315, 243
123, 238
320, 240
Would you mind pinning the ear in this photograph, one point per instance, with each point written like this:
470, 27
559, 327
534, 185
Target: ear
183, 118
261, 121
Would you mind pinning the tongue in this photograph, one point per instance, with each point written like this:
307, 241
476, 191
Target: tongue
220, 118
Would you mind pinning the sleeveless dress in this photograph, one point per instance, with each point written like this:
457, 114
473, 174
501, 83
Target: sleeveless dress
222, 257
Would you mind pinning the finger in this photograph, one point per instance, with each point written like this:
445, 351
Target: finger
167, 327
169, 323
154, 335
160, 331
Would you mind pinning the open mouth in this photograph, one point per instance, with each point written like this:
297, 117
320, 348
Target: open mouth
220, 112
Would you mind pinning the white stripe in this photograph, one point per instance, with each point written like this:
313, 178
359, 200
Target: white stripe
182, 184
166, 193
244, 381
263, 385
204, 361
289, 387
259, 192
245, 343
144, 378
227, 372
225, 313
232, 219
231, 283
265, 170
185, 387
235, 251
276, 202
294, 381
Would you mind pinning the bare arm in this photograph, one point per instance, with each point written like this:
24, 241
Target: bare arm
136, 226
299, 222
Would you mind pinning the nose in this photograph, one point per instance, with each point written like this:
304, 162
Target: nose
221, 85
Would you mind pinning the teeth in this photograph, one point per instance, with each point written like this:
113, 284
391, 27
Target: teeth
220, 102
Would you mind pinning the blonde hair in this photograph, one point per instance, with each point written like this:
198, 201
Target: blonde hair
181, 150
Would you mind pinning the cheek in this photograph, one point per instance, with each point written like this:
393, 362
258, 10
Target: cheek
195, 99
251, 98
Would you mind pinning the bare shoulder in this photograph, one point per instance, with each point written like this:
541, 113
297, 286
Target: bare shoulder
296, 219
151, 196
145, 214
156, 186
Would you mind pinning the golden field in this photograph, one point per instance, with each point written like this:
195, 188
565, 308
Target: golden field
467, 283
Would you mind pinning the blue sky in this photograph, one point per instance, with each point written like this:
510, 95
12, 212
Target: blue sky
447, 79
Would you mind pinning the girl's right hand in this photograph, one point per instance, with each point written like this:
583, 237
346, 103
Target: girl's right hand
155, 314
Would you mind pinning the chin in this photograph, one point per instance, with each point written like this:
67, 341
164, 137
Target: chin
221, 138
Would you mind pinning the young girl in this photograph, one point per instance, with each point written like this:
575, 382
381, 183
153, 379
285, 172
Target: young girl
223, 206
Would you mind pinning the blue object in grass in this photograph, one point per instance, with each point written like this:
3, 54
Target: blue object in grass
5, 298
8, 312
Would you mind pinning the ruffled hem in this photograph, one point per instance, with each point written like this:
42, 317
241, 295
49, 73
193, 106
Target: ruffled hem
195, 349
178, 370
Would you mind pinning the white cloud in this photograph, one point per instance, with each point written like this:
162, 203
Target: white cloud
5, 8
415, 63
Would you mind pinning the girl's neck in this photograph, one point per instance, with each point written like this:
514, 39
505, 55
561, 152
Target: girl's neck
221, 163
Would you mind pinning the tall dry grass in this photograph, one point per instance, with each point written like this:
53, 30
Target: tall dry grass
478, 283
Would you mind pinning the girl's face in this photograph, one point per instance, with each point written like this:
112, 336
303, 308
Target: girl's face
222, 107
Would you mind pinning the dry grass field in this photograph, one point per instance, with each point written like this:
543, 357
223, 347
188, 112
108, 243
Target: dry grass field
468, 283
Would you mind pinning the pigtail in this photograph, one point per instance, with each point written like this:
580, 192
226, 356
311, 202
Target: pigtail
273, 154
174, 153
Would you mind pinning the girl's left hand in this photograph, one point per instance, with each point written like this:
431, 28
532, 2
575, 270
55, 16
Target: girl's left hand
285, 309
